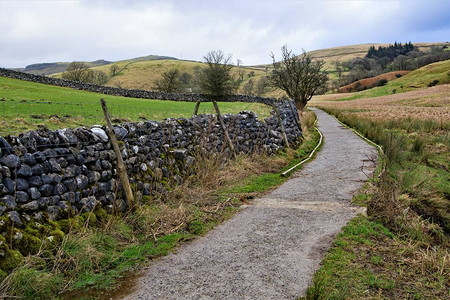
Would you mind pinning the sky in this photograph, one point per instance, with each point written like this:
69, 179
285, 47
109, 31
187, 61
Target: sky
37, 31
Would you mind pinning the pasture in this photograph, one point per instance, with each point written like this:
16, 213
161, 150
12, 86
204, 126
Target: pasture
27, 105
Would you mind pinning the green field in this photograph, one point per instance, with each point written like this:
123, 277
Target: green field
26, 105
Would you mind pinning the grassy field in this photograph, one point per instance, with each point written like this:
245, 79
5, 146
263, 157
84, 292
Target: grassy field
26, 105
400, 250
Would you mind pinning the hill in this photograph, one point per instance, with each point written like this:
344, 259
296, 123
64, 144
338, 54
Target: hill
58, 67
429, 75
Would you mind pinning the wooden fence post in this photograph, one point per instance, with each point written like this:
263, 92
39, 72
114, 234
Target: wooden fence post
120, 165
197, 105
283, 132
225, 130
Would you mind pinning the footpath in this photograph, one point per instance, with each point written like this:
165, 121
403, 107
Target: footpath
271, 248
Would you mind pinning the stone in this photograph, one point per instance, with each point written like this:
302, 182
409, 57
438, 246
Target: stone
37, 169
9, 202
69, 196
15, 218
100, 133
46, 179
53, 212
9, 184
87, 204
5, 147
59, 189
35, 181
3, 190
55, 167
39, 157
43, 202
82, 181
46, 190
34, 193
28, 159
22, 197
70, 184
11, 161
93, 176
38, 216
180, 154
53, 200
24, 171
22, 184
2, 210
30, 206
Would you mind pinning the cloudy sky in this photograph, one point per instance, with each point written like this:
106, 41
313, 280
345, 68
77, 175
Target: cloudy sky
33, 31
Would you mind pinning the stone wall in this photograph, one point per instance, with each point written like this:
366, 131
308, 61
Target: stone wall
125, 92
53, 174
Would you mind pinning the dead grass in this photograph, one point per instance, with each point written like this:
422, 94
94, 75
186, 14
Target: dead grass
368, 83
431, 103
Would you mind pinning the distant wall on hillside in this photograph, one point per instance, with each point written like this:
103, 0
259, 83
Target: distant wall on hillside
128, 93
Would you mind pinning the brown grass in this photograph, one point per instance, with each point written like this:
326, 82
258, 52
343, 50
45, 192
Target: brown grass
430, 103
371, 82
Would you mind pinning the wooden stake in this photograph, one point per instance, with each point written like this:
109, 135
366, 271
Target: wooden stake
283, 132
225, 130
197, 105
120, 165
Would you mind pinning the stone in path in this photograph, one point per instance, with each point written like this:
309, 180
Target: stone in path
271, 248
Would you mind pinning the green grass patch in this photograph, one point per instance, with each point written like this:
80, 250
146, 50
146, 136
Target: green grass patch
26, 105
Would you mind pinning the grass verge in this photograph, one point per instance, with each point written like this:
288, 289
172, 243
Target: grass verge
96, 250
400, 250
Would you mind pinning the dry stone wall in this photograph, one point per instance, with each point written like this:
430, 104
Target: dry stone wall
53, 174
134, 93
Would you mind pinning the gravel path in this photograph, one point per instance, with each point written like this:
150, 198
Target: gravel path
271, 248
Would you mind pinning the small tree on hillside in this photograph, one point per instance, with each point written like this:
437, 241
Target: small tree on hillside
170, 81
215, 78
299, 76
77, 71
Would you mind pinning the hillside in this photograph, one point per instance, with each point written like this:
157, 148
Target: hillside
58, 67
415, 80
368, 83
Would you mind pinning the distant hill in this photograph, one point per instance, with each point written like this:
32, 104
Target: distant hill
58, 67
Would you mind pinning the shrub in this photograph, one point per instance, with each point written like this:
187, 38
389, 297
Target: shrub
381, 82
433, 83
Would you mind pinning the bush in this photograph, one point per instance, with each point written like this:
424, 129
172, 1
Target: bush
433, 83
381, 82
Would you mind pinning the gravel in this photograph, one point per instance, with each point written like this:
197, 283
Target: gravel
271, 248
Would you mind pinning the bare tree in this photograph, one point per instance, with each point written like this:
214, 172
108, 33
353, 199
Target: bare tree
299, 76
215, 78
185, 78
170, 81
77, 71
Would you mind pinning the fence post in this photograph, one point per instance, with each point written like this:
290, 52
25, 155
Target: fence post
225, 130
120, 165
197, 105
283, 132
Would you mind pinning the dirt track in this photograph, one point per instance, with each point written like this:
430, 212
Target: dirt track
271, 249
